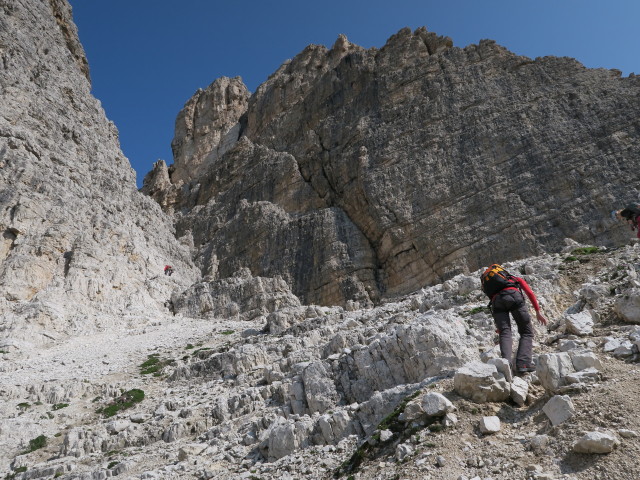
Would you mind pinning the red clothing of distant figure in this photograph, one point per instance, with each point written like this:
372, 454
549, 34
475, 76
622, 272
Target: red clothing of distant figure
527, 290
168, 270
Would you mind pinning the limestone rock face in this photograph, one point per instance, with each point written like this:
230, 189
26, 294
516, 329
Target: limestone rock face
208, 126
394, 168
239, 296
76, 237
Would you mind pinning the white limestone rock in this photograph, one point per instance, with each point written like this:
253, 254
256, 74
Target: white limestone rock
596, 442
191, 450
559, 409
585, 359
386, 435
403, 451
625, 349
481, 382
503, 366
117, 426
436, 405
489, 425
450, 419
592, 294
588, 375
413, 411
579, 323
286, 436
519, 390
81, 250
627, 306
551, 369
335, 426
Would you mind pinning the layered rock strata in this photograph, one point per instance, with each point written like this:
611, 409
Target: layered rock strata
362, 173
78, 243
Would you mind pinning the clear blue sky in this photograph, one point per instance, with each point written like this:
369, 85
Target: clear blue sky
148, 57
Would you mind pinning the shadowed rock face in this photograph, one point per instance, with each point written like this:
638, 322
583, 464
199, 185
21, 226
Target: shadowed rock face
76, 238
394, 168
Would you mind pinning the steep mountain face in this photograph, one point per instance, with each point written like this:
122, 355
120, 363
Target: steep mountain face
79, 246
356, 174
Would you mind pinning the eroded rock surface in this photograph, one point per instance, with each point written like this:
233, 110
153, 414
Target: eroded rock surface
77, 240
356, 174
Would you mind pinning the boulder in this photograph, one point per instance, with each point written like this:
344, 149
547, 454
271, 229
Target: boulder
191, 450
489, 425
481, 382
579, 323
559, 409
436, 405
627, 306
117, 426
587, 376
286, 436
596, 442
585, 359
552, 368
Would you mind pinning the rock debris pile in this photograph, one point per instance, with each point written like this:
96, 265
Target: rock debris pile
412, 388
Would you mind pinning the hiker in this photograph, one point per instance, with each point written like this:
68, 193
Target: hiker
630, 214
505, 293
168, 270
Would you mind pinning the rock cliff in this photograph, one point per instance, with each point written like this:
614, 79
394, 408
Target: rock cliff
357, 174
78, 242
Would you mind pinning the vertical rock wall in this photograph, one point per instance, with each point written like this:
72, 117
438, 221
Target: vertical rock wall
434, 160
78, 244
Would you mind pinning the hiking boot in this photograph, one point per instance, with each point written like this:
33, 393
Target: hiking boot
525, 368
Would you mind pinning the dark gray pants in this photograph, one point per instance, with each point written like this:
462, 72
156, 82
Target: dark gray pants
511, 301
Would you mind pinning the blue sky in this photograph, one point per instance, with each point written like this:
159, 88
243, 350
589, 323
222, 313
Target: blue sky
148, 57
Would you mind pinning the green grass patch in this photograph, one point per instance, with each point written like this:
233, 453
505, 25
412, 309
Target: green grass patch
36, 444
154, 365
226, 332
24, 405
585, 251
112, 464
126, 400
390, 422
4, 352
475, 310
11, 476
189, 346
570, 259
58, 406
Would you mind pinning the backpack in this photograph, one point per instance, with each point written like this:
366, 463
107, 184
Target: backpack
631, 211
495, 278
